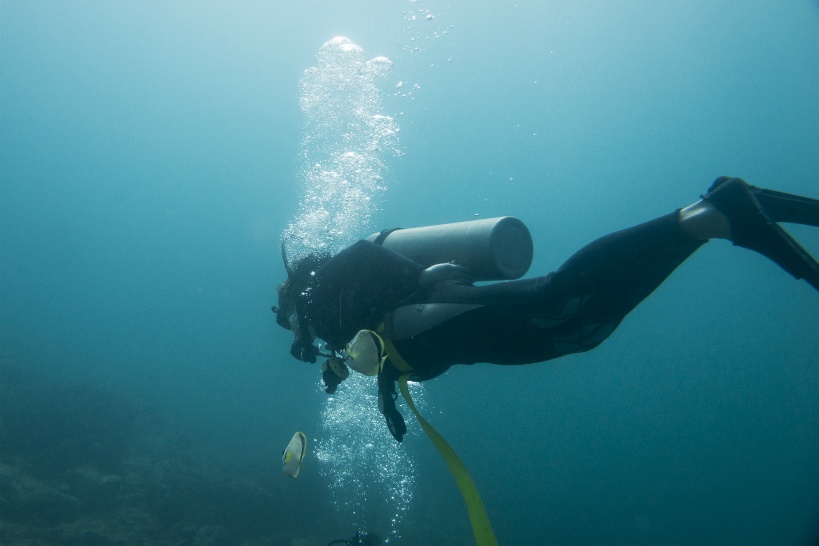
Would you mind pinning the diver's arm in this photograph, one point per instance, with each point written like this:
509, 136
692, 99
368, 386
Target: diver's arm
386, 405
444, 272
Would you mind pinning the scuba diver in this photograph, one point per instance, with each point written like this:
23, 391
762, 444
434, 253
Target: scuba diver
397, 309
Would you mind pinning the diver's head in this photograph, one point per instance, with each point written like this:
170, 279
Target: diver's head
286, 307
299, 273
290, 313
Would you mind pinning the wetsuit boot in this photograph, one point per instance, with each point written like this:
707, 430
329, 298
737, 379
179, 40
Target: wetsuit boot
753, 214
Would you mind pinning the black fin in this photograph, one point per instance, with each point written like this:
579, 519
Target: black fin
753, 225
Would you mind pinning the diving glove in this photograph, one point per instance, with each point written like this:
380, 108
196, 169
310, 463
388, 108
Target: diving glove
444, 272
395, 422
386, 405
304, 350
333, 372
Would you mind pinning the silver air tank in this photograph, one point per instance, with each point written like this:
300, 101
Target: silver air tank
492, 249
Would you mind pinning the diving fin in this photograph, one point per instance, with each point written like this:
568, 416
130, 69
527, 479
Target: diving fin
786, 207
752, 214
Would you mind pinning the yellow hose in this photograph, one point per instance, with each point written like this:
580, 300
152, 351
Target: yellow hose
481, 528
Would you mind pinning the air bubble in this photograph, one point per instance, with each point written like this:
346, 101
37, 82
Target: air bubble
346, 142
379, 66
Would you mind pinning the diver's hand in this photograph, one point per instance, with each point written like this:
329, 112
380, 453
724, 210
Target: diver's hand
304, 351
395, 422
443, 272
386, 405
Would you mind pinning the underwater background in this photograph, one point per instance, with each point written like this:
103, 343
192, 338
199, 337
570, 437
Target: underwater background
152, 155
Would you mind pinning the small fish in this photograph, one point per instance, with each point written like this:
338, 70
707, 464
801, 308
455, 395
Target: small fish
366, 353
293, 455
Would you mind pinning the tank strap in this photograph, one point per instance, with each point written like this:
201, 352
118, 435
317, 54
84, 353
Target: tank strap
383, 235
391, 353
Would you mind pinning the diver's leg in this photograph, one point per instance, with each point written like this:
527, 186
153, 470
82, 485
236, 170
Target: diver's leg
703, 221
732, 209
569, 311
577, 307
614, 273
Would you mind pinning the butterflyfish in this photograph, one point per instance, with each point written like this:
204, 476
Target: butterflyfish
293, 455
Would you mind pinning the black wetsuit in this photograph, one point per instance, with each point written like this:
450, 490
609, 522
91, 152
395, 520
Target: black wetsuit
514, 322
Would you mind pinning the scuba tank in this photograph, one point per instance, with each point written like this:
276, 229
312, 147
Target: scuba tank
492, 249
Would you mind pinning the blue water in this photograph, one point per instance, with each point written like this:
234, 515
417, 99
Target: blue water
151, 156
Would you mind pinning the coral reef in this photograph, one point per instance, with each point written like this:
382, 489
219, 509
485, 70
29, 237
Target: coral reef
79, 466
